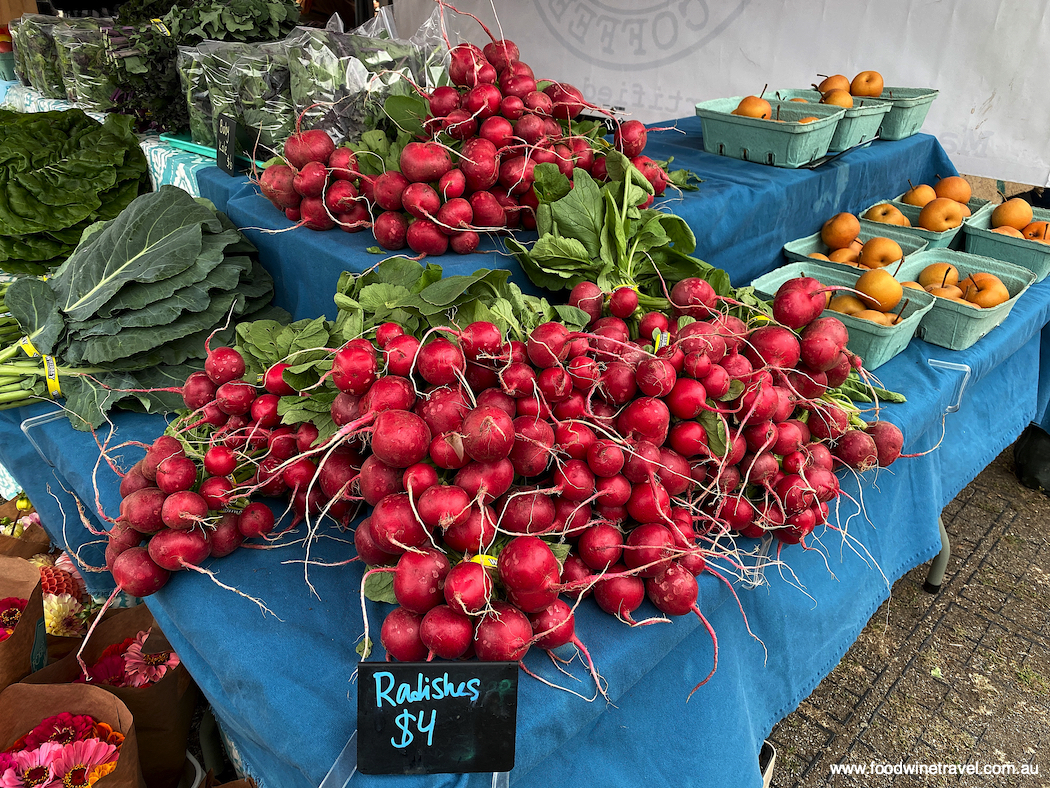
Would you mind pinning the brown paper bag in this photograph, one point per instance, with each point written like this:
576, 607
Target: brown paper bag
211, 782
26, 649
163, 713
24, 706
33, 540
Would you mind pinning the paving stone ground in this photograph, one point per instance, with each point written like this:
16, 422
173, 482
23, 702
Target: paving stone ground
962, 676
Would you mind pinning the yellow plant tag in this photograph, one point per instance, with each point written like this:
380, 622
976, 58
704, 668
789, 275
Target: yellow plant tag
51, 371
160, 27
27, 347
487, 561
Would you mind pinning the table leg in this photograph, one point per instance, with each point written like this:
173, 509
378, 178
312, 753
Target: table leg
940, 563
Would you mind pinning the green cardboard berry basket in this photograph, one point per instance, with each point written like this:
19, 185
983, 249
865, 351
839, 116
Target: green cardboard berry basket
1033, 255
908, 110
785, 144
799, 250
934, 240
875, 344
858, 125
958, 326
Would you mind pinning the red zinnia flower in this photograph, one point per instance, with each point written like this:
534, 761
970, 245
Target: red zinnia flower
64, 728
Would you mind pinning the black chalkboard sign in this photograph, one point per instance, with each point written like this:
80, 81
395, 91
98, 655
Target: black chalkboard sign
226, 145
434, 717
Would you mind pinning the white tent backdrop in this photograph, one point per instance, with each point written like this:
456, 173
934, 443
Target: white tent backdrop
657, 58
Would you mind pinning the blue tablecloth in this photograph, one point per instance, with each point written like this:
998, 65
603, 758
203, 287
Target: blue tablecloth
283, 691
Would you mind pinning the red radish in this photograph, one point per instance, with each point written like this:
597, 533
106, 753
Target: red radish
503, 634
511, 107
612, 490
216, 492
460, 124
391, 230
400, 438
387, 332
342, 164
487, 210
273, 381
308, 146
443, 409
547, 344
645, 418
693, 297
773, 346
452, 184
133, 480
420, 580
400, 355
400, 636
529, 572
486, 481
276, 186
440, 362
798, 302
337, 472
600, 546
651, 546
224, 364
501, 54
142, 510
367, 549
340, 197
468, 587
525, 510
649, 503
235, 398
456, 214
395, 527
588, 297
378, 480
574, 438
255, 520
305, 436
541, 104
828, 422
479, 163
311, 179
198, 390
532, 446
482, 101
621, 595
641, 462
176, 473
889, 441
857, 449
173, 550
488, 434
443, 506
183, 510
443, 100
567, 101
555, 385
476, 534
605, 458
224, 538
465, 242
574, 481
630, 138
424, 162
389, 190
584, 372
653, 172
426, 237
446, 632
137, 574
418, 478
315, 215
497, 130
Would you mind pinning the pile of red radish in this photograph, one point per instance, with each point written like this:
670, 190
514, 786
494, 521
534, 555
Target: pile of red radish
483, 457
472, 172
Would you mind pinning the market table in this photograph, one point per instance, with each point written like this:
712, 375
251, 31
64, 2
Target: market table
281, 689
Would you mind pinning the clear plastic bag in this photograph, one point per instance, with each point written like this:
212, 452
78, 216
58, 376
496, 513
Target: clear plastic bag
195, 89
349, 76
18, 47
217, 58
261, 85
81, 53
40, 54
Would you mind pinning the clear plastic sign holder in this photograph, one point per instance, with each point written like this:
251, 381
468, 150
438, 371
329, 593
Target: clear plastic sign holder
39, 421
345, 767
964, 368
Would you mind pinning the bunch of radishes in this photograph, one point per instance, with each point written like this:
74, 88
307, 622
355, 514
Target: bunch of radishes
504, 474
470, 172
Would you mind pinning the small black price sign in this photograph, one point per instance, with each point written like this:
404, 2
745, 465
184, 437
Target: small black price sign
226, 145
431, 718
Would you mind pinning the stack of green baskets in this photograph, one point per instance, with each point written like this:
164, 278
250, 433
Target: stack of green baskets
781, 141
859, 125
958, 326
874, 343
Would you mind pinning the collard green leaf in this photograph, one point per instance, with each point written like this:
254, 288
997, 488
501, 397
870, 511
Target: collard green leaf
158, 236
33, 305
88, 399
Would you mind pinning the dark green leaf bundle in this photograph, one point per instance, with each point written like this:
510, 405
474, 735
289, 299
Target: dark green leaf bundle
81, 53
18, 47
37, 39
59, 173
232, 20
133, 305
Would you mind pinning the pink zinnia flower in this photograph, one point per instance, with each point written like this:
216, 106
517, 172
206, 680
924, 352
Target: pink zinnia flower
32, 768
73, 765
64, 728
145, 669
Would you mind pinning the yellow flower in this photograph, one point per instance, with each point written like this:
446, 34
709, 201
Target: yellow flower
42, 559
99, 772
60, 616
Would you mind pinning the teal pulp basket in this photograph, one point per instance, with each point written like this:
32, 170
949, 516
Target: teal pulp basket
1033, 255
908, 110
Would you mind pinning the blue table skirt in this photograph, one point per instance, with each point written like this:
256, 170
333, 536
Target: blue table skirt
283, 690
